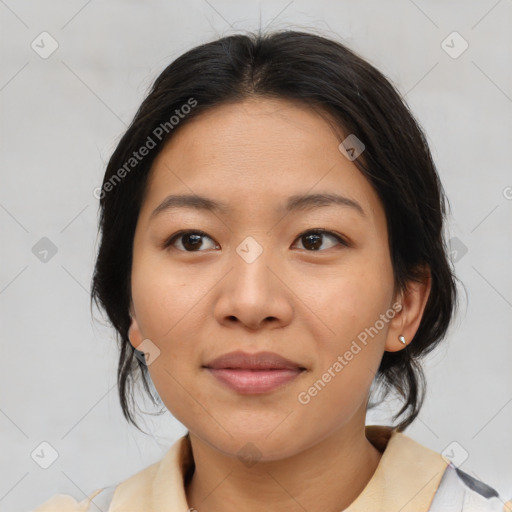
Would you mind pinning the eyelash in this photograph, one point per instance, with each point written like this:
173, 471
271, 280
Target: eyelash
317, 231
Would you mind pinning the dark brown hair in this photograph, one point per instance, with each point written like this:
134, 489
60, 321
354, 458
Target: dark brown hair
323, 74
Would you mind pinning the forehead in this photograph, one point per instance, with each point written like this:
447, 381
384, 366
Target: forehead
258, 152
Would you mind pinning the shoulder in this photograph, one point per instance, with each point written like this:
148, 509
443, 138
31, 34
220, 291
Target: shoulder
459, 491
66, 503
449, 490
131, 494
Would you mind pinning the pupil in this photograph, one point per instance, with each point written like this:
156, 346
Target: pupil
196, 241
193, 241
315, 240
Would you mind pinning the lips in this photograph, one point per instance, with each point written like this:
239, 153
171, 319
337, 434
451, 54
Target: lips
253, 373
258, 361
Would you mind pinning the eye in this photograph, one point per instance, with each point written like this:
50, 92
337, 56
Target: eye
190, 241
314, 239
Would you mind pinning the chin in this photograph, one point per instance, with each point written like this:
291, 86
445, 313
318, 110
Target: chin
250, 451
257, 443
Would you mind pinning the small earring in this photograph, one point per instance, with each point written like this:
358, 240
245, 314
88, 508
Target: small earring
402, 339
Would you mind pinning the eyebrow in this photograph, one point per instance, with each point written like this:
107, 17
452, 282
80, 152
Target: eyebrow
294, 203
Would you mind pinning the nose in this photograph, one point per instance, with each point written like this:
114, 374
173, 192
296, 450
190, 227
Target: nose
254, 293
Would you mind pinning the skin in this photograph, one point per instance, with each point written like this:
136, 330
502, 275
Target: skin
306, 305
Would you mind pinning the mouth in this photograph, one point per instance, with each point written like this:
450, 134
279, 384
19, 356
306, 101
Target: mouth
254, 373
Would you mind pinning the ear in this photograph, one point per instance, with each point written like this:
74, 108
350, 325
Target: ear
134, 334
406, 322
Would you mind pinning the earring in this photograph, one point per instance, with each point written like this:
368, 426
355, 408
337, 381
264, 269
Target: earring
402, 339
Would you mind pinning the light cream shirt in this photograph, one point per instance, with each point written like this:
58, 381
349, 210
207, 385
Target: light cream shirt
407, 479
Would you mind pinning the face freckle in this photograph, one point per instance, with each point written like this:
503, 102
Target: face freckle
263, 289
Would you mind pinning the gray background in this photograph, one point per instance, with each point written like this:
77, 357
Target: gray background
61, 118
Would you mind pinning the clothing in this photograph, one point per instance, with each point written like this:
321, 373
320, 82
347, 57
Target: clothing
409, 478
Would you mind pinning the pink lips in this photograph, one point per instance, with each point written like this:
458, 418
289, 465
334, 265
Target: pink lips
253, 373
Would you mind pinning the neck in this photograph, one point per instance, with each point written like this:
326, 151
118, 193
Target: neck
328, 476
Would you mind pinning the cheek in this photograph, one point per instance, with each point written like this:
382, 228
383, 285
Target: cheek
348, 300
350, 337
170, 310
166, 315
348, 347
163, 299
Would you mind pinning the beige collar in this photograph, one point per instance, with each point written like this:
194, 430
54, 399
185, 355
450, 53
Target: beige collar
406, 478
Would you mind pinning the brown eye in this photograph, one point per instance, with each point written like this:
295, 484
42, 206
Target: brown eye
189, 241
313, 240
193, 241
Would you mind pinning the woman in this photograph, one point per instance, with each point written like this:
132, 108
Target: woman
271, 247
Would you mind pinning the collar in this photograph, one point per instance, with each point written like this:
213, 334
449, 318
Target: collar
405, 480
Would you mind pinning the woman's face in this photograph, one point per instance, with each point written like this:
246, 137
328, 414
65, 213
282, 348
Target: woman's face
251, 276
